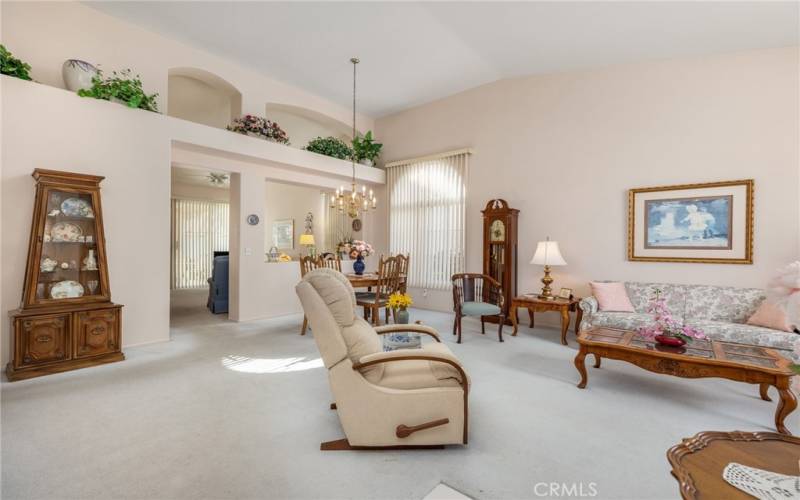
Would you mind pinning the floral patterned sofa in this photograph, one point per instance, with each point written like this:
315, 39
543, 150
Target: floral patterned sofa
719, 311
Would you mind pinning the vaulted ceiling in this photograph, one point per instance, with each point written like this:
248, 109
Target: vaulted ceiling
414, 52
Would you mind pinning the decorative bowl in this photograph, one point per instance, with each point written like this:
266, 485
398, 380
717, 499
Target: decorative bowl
670, 340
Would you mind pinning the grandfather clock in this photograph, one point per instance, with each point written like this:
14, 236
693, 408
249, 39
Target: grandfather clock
500, 247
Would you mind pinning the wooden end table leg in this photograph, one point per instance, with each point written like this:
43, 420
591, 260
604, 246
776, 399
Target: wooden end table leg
763, 388
530, 315
597, 359
578, 319
786, 405
564, 325
514, 319
581, 366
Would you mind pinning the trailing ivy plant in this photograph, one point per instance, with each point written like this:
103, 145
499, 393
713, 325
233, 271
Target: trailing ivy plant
122, 87
11, 66
365, 148
330, 146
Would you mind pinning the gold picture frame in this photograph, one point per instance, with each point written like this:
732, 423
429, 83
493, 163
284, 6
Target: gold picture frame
688, 229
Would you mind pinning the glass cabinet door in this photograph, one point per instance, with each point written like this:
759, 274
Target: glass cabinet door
69, 265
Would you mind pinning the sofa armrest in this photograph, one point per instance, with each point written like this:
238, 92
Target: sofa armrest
410, 355
427, 330
588, 305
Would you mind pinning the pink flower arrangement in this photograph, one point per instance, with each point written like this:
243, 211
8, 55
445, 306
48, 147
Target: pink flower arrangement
664, 324
256, 125
356, 248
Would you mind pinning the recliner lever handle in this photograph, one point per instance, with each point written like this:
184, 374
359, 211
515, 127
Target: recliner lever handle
405, 431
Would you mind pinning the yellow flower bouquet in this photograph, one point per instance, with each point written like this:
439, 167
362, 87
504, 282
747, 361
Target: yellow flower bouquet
400, 301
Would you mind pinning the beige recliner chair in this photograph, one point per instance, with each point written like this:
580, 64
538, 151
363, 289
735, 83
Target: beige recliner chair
404, 398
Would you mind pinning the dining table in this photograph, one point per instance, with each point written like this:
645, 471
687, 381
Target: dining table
366, 280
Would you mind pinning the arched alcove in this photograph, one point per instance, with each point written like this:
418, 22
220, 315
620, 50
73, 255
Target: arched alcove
202, 97
303, 124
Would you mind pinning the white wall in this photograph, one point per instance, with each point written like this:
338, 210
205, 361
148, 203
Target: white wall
195, 192
565, 148
302, 129
45, 34
131, 149
194, 100
288, 201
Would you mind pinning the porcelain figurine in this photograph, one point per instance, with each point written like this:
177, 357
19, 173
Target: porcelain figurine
54, 212
48, 265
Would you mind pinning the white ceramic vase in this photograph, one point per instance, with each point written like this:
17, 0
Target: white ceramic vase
90, 263
78, 74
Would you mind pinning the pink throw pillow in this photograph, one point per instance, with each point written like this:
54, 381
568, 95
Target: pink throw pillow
612, 297
770, 315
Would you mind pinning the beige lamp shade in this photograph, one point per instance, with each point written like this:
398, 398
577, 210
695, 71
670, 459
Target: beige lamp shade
548, 254
307, 239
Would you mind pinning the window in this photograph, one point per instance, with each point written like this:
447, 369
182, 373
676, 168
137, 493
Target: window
199, 228
427, 205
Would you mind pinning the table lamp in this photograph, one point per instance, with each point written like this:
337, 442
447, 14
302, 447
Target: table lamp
547, 254
307, 240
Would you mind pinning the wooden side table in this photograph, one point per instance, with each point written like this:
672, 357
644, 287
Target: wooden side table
697, 463
534, 304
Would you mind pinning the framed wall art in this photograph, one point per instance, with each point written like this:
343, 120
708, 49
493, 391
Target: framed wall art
283, 234
708, 223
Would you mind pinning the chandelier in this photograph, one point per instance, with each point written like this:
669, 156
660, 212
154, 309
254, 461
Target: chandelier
354, 202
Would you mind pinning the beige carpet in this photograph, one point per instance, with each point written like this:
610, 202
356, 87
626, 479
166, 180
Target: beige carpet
231, 410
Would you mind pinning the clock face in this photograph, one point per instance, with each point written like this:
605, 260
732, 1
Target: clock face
497, 231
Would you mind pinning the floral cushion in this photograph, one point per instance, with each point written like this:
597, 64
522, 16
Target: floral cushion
748, 334
623, 320
641, 294
722, 303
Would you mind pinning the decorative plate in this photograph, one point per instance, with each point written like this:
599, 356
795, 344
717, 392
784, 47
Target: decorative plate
252, 219
65, 231
66, 290
76, 207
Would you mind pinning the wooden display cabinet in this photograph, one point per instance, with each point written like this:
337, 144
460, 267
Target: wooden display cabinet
66, 319
500, 249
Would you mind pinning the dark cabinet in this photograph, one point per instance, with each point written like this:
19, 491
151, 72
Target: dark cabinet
500, 248
66, 319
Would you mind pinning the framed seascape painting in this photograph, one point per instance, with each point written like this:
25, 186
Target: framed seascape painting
704, 223
283, 234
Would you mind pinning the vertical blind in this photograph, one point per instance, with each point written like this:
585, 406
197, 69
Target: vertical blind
427, 206
199, 228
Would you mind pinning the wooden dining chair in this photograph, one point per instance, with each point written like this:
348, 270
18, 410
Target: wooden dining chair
477, 295
388, 283
331, 261
307, 264
403, 262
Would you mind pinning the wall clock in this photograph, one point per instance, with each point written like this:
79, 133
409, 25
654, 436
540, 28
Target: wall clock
252, 219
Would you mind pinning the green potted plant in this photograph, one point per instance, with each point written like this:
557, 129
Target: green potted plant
121, 87
330, 146
365, 150
11, 66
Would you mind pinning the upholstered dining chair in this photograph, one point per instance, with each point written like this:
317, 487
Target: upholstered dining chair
408, 398
388, 283
330, 260
307, 264
477, 295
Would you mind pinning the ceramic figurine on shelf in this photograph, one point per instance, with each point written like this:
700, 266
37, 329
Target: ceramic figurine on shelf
48, 265
54, 212
90, 263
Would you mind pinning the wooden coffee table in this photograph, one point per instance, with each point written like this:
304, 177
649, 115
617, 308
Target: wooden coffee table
697, 463
700, 359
